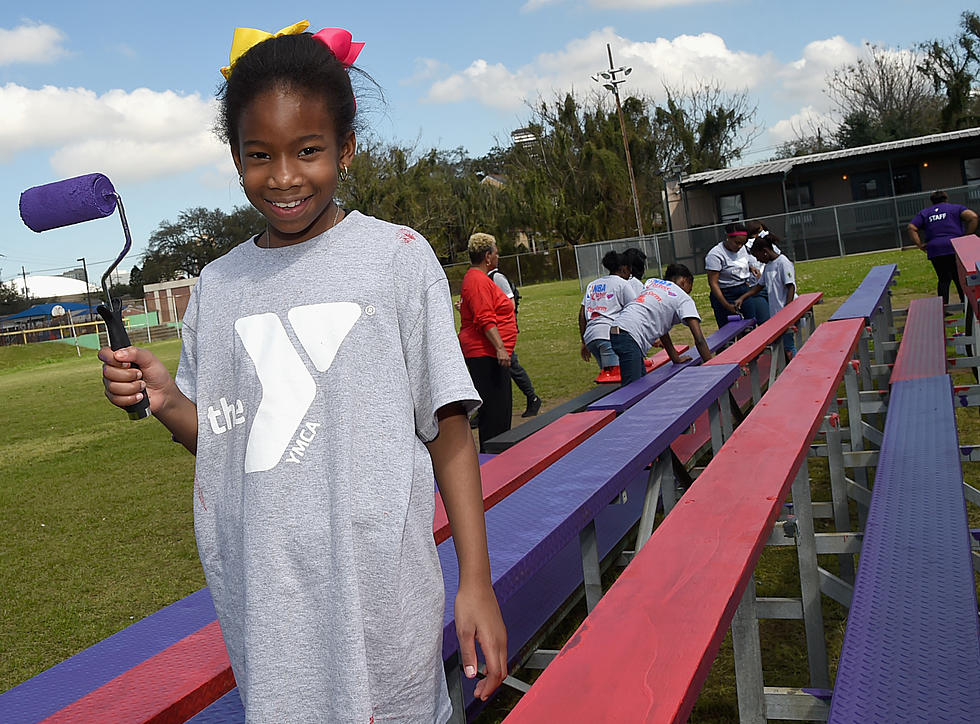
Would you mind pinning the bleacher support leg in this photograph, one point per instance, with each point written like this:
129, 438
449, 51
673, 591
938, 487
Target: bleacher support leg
777, 360
748, 659
590, 566
756, 382
854, 420
838, 489
806, 549
660, 484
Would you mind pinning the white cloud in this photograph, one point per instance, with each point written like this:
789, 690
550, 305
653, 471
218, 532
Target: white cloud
805, 78
137, 134
678, 62
803, 123
31, 43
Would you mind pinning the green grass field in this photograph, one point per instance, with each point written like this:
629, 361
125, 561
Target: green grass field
96, 510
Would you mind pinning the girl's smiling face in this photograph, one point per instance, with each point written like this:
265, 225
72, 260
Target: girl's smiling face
289, 159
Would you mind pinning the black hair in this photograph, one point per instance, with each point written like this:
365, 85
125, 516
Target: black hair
734, 227
938, 197
677, 271
613, 260
766, 242
300, 63
754, 227
636, 261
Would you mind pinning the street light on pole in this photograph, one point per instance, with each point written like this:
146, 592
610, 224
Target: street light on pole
610, 80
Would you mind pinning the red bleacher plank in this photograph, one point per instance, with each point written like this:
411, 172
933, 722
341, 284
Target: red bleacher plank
509, 470
646, 649
922, 352
967, 250
752, 344
167, 688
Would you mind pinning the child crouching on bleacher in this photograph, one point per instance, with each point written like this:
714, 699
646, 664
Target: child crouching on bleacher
661, 305
778, 279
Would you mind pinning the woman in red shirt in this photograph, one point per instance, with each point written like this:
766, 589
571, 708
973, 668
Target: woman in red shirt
487, 336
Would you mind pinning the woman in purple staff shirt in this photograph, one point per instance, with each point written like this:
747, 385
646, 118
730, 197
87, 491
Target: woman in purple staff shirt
940, 223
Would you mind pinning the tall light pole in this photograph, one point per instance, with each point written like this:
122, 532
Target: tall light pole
88, 298
610, 81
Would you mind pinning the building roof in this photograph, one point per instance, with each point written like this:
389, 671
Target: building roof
785, 165
52, 287
43, 311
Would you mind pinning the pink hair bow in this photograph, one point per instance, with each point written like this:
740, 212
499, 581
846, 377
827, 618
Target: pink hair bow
341, 44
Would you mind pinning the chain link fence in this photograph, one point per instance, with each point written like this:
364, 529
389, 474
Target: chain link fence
816, 233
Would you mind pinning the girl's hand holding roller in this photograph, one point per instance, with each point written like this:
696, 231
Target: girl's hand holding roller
126, 385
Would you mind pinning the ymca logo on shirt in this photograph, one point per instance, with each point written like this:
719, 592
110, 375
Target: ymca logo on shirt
288, 388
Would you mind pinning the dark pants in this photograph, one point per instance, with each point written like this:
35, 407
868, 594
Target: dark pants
630, 355
947, 272
521, 377
492, 382
756, 306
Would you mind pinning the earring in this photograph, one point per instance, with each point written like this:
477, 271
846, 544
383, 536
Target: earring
241, 181
344, 173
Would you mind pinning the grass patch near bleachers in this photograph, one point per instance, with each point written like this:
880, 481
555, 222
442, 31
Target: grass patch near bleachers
96, 509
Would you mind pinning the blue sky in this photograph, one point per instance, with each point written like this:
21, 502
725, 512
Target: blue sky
126, 88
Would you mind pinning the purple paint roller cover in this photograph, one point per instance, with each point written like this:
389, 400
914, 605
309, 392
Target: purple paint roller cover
67, 202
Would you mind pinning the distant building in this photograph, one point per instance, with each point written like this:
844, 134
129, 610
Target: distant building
819, 180
168, 299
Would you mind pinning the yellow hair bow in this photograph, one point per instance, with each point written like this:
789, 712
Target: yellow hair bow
246, 38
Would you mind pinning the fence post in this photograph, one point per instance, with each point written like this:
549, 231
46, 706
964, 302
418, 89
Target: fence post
520, 281
840, 242
558, 257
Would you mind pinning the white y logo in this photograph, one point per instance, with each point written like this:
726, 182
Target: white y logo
288, 388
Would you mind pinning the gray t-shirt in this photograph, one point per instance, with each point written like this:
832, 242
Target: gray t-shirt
604, 298
317, 378
732, 266
777, 274
651, 315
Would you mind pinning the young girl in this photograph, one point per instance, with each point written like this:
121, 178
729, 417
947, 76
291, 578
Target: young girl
319, 396
778, 279
603, 300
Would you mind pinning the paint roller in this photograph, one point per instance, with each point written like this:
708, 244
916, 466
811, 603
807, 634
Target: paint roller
73, 201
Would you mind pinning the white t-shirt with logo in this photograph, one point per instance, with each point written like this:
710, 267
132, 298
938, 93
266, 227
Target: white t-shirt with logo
777, 274
732, 266
317, 379
604, 298
651, 315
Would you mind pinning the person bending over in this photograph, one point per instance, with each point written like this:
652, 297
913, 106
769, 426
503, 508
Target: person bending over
604, 298
650, 317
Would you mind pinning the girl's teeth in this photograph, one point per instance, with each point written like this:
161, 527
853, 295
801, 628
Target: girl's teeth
290, 205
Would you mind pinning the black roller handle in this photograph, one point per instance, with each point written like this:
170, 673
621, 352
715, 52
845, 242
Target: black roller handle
118, 338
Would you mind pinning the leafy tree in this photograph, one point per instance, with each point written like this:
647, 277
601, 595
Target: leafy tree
953, 66
704, 127
883, 97
199, 236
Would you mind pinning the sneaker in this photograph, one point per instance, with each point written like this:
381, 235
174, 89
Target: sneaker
533, 406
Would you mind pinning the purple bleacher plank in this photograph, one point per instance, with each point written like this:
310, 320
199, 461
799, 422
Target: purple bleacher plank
226, 710
484, 457
626, 397
912, 643
867, 297
86, 671
530, 607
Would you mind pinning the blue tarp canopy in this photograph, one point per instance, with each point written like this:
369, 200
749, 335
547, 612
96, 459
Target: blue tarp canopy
44, 310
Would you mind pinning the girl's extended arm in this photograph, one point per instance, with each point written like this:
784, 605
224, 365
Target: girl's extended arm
699, 341
125, 385
586, 355
478, 617
755, 289
674, 355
